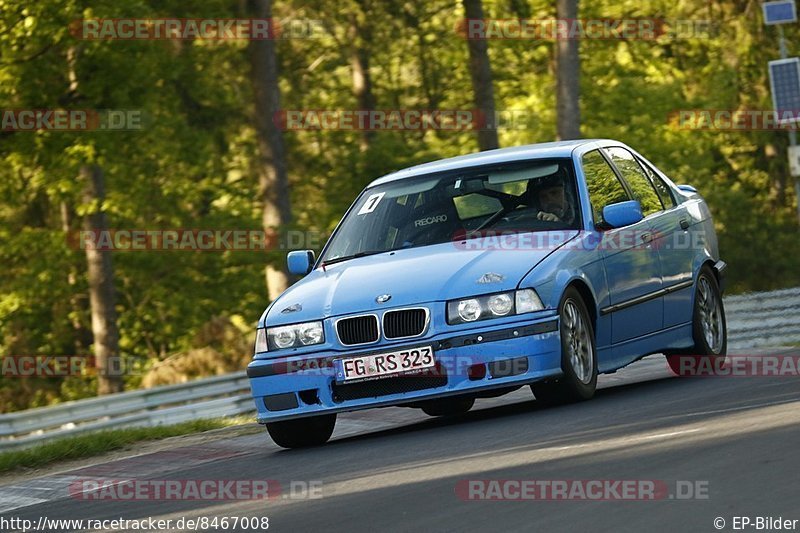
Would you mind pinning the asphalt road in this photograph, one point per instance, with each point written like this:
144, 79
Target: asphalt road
738, 439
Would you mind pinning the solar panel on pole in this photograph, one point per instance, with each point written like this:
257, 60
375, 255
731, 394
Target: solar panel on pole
784, 80
779, 12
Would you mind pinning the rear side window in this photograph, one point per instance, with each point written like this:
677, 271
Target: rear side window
663, 190
633, 174
603, 184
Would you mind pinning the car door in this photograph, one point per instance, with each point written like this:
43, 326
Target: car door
676, 248
631, 263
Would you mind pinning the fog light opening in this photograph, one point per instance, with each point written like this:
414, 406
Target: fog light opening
309, 397
476, 372
280, 402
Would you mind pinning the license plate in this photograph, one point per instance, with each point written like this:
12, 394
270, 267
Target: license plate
384, 364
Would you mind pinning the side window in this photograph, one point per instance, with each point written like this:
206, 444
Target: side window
661, 186
603, 184
640, 186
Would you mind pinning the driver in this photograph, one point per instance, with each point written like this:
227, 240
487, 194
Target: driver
550, 197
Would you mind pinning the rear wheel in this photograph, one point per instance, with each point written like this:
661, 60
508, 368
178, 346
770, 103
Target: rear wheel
709, 330
302, 432
578, 355
456, 405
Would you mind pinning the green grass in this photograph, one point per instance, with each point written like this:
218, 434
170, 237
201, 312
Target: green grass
91, 444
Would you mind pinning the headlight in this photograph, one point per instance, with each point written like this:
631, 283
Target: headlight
493, 306
501, 304
310, 333
283, 337
469, 310
295, 335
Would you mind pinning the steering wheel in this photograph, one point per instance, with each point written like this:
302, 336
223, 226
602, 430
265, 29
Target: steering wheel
532, 216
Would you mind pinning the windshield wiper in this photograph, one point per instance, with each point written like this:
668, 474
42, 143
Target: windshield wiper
352, 256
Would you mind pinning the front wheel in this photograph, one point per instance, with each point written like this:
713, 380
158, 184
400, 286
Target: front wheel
709, 330
578, 355
302, 432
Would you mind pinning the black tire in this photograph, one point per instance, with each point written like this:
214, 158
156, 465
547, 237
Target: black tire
456, 405
709, 330
302, 432
570, 387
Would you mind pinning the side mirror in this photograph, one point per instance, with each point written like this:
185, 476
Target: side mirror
300, 262
687, 188
623, 213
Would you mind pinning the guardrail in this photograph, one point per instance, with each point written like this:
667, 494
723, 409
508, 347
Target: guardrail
763, 319
218, 396
754, 320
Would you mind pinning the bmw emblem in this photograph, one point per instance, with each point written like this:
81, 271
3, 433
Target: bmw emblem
383, 298
292, 309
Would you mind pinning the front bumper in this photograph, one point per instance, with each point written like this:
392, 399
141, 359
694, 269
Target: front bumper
510, 354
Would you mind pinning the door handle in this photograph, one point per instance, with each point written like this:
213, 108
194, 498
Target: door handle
684, 223
647, 237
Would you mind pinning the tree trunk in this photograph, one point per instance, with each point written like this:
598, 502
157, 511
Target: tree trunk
568, 70
272, 173
481, 71
101, 288
77, 301
361, 39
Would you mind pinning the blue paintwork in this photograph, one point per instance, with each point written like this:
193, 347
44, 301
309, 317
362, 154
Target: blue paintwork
623, 213
298, 262
430, 275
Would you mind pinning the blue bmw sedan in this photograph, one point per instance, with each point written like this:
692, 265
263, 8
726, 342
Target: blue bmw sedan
541, 265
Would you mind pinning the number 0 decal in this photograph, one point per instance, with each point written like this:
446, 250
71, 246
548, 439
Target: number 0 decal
371, 203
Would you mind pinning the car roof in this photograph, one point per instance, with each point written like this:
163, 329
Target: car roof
489, 157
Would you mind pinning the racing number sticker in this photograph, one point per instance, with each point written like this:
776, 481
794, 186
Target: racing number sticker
371, 203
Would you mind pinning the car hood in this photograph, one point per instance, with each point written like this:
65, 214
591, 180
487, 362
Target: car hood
431, 273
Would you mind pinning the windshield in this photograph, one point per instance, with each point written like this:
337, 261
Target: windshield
522, 197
